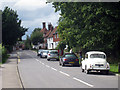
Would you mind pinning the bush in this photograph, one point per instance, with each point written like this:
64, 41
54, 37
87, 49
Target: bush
3, 53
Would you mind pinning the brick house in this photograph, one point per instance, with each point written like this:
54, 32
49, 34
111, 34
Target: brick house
44, 31
50, 36
53, 39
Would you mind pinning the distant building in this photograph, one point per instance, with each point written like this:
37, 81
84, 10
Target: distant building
51, 37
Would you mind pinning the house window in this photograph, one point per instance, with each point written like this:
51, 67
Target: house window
49, 45
57, 36
56, 43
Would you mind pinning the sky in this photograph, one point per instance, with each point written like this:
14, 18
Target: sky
32, 13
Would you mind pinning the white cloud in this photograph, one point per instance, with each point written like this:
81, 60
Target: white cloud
30, 5
32, 13
53, 18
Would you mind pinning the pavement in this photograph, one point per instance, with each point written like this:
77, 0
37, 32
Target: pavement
10, 76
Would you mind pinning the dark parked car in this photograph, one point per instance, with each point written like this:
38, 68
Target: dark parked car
69, 59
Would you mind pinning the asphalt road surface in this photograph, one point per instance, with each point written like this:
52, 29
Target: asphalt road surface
37, 72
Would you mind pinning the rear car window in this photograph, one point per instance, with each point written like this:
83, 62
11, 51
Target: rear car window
97, 56
53, 52
70, 55
45, 51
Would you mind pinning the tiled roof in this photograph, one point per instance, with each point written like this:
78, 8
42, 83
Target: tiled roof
48, 33
44, 30
51, 34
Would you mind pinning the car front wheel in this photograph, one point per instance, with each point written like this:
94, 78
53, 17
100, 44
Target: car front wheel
59, 63
48, 59
63, 64
82, 70
86, 71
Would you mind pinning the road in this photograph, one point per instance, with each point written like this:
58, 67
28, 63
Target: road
37, 72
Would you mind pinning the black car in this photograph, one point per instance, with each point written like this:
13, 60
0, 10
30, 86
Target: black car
69, 59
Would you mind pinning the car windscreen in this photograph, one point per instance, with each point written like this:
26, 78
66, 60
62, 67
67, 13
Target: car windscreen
97, 56
70, 56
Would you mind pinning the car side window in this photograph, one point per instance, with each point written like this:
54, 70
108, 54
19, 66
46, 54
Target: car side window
86, 56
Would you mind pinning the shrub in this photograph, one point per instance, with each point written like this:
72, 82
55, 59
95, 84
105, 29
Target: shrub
3, 53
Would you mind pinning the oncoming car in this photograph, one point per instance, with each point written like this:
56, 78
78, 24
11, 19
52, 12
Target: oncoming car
95, 60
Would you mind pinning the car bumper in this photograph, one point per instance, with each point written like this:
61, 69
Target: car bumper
44, 56
99, 69
52, 57
71, 63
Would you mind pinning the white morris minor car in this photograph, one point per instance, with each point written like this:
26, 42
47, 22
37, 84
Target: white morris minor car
95, 60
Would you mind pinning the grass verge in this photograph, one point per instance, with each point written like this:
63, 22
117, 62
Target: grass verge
114, 68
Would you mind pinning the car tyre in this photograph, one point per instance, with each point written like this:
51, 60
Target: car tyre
48, 59
63, 64
86, 71
82, 70
59, 63
78, 65
107, 72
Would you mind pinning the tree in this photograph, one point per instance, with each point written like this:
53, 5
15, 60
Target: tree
12, 31
36, 36
92, 26
28, 43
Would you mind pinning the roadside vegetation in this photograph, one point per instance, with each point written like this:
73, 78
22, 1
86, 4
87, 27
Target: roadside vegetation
114, 68
3, 54
12, 32
35, 38
91, 26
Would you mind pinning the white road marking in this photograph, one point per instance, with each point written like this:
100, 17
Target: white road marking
40, 62
53, 69
64, 73
47, 66
83, 82
43, 64
37, 60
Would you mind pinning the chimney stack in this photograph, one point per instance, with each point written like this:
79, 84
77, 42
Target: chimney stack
44, 25
49, 26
